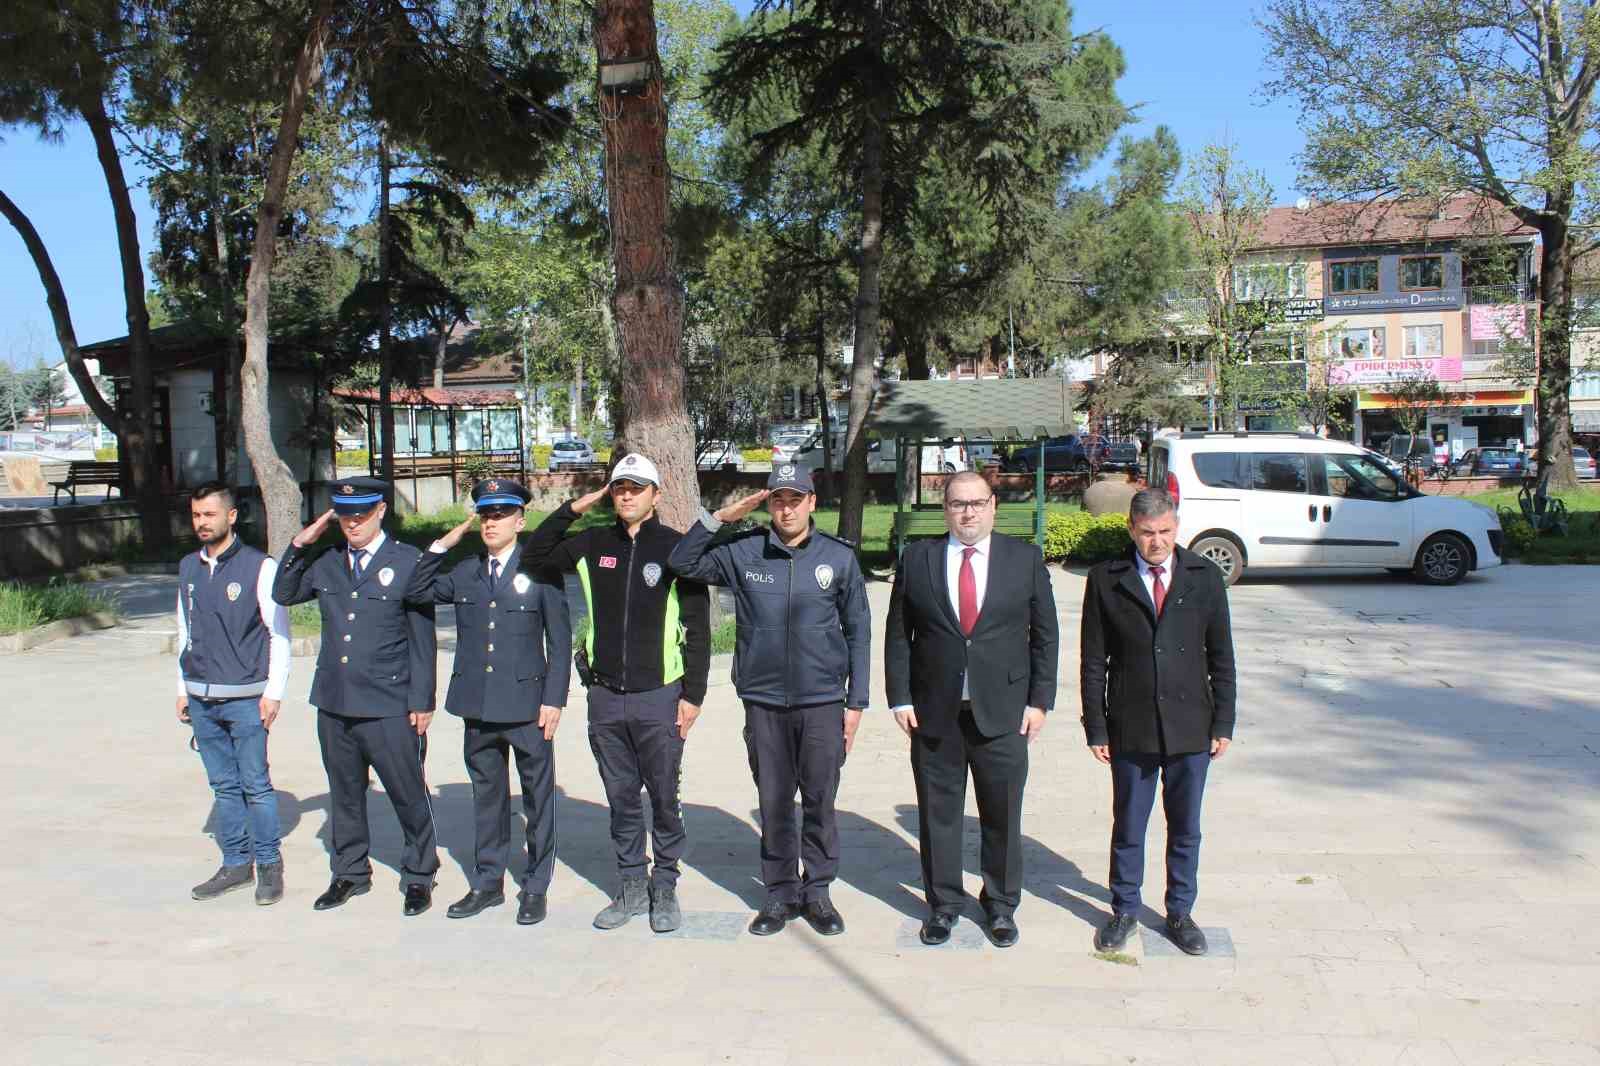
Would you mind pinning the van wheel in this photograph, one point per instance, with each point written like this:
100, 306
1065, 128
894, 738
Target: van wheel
1225, 553
1443, 559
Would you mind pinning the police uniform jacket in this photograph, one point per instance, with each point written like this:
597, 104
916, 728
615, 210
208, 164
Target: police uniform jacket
513, 641
647, 629
805, 630
1157, 686
378, 641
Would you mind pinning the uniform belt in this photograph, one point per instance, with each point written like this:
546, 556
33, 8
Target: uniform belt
204, 691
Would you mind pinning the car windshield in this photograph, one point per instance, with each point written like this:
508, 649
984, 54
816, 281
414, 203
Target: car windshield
1580, 453
1496, 453
569, 446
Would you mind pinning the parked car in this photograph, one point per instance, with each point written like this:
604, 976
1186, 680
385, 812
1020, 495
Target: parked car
1489, 462
882, 455
1583, 462
1298, 500
1403, 450
715, 454
1111, 454
1070, 452
574, 452
786, 448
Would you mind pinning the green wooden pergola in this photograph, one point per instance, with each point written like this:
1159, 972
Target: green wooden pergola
921, 413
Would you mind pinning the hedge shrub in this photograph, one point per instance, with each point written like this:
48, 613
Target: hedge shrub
1085, 538
106, 455
754, 454
354, 457
1520, 535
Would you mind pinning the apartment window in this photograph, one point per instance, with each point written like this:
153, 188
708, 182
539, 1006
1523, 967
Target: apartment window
1585, 385
1353, 275
1424, 342
1488, 347
1266, 281
1358, 344
1287, 346
1422, 272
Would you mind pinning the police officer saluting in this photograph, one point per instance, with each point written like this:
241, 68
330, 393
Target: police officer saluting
513, 638
801, 669
232, 669
648, 650
374, 685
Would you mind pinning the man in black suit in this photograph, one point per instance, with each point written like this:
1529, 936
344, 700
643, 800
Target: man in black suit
512, 668
970, 661
1158, 694
374, 683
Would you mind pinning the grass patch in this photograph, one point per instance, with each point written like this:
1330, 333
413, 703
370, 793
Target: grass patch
305, 620
1120, 958
28, 606
1581, 543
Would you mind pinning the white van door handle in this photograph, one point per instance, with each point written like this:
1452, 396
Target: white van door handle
1311, 512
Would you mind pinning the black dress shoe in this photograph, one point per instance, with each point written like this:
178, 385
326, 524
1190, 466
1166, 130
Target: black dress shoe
1182, 931
1002, 930
775, 914
936, 930
1115, 933
531, 910
418, 899
473, 902
339, 891
821, 916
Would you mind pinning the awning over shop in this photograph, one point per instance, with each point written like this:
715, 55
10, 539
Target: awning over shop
1380, 401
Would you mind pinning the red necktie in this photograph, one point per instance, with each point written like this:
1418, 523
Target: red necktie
1158, 591
968, 593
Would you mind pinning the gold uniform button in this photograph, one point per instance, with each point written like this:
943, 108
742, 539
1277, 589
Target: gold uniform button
344, 658
488, 669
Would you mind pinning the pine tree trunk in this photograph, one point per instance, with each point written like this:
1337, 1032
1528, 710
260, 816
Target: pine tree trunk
385, 320
225, 406
441, 346
1555, 356
647, 302
60, 316
138, 437
824, 406
864, 364
280, 493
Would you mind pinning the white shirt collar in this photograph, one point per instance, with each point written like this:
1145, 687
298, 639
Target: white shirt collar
504, 555
373, 545
952, 544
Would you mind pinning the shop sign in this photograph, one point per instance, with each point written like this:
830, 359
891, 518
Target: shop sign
1490, 412
1383, 371
1393, 301
1302, 309
1491, 322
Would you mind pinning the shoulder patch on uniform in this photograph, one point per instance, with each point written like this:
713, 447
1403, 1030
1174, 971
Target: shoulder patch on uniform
608, 562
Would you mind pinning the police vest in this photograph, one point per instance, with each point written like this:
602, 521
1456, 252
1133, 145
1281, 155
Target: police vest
226, 656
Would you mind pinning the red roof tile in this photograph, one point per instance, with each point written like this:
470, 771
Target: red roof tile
1388, 221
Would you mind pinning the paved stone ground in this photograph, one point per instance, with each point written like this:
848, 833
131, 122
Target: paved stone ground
1401, 849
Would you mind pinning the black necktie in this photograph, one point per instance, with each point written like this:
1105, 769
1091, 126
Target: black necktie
494, 573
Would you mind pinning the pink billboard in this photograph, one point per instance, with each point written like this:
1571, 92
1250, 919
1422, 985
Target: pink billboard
1492, 322
1382, 371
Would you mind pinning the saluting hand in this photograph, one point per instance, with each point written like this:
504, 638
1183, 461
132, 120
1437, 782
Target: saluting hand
452, 538
589, 499
309, 535
549, 718
687, 713
740, 508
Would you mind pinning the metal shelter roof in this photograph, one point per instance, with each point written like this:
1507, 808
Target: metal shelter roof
994, 409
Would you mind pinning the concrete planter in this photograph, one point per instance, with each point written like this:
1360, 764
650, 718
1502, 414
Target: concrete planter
57, 630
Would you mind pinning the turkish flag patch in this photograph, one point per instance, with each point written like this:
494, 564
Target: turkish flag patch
608, 562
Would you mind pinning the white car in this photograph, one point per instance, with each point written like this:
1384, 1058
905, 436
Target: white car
715, 454
881, 456
1583, 462
570, 453
786, 448
1298, 500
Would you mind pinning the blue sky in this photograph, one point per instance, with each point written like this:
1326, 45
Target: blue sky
1193, 67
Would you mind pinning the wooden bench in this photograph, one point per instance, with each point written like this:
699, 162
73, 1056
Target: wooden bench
88, 472
1014, 519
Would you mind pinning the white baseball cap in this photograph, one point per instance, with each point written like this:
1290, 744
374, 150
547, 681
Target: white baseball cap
635, 467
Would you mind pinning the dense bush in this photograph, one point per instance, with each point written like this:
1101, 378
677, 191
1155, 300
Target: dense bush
1085, 538
1520, 535
473, 469
539, 458
356, 457
757, 454
106, 455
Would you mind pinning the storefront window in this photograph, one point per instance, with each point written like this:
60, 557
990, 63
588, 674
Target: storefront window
1357, 344
1424, 342
1422, 272
1353, 275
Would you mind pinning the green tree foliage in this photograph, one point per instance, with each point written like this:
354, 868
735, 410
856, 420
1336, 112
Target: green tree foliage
1433, 97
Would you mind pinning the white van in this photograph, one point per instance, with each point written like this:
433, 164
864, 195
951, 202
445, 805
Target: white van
1298, 500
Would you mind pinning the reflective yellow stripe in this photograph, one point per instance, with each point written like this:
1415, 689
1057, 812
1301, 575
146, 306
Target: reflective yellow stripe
588, 606
671, 640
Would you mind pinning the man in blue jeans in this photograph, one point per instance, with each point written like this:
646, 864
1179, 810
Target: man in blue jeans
233, 666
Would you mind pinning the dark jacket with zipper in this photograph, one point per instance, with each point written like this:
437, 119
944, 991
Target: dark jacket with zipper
513, 641
805, 630
1157, 686
647, 627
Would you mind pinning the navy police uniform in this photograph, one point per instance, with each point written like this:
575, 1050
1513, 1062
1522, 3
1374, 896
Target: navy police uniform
376, 665
513, 642
802, 657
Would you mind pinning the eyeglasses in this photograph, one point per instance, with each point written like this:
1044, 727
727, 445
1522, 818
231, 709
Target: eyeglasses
966, 505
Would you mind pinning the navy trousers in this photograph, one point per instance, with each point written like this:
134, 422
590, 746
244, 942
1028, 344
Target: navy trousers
797, 748
634, 737
487, 748
1133, 794
391, 747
